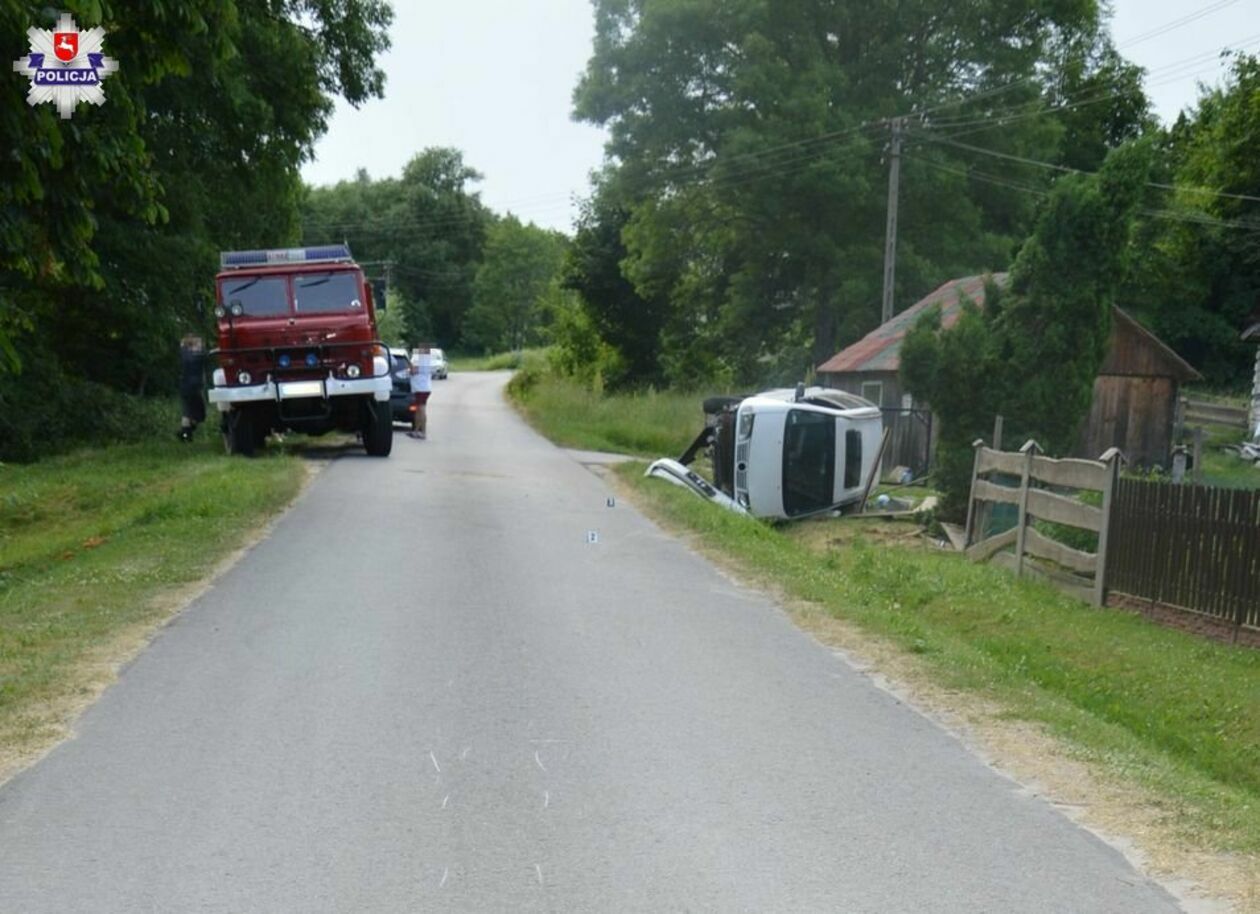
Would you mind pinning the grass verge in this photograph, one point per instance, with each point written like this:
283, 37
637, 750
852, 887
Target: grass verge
499, 361
649, 424
1176, 713
93, 545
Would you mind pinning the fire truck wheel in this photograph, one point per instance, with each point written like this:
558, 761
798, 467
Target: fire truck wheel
239, 436
378, 429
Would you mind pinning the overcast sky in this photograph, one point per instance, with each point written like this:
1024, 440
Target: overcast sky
495, 79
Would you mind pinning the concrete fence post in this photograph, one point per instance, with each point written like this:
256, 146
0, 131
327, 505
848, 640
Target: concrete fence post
1114, 459
971, 493
1030, 450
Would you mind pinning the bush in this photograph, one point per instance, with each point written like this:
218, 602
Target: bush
44, 412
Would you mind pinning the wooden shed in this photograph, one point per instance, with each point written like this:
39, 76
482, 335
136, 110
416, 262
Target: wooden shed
1135, 394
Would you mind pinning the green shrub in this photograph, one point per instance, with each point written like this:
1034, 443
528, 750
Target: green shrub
43, 412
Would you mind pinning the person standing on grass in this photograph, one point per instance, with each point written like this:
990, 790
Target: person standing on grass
192, 383
421, 386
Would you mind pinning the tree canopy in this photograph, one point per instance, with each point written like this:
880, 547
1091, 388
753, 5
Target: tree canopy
746, 156
1032, 353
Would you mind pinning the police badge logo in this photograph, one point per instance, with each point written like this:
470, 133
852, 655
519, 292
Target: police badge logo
66, 66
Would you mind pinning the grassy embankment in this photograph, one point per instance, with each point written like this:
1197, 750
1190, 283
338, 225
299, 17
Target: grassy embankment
499, 361
94, 546
1174, 714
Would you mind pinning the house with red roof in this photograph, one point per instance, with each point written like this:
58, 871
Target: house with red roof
1135, 393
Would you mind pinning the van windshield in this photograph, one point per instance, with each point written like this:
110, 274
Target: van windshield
324, 293
809, 462
258, 296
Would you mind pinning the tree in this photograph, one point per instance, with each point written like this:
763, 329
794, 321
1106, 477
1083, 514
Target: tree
513, 285
745, 144
428, 224
612, 308
1033, 353
1197, 276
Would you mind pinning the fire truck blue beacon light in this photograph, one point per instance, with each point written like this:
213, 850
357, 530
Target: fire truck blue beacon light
328, 253
285, 360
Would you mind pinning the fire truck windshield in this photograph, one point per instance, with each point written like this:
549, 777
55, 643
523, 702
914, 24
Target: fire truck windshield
258, 296
322, 293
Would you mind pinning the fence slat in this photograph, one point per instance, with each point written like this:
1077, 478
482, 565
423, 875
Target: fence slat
1076, 474
1060, 510
1000, 461
987, 491
985, 548
1082, 590
1036, 543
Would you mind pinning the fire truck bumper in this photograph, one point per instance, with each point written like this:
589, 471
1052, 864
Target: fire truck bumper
226, 397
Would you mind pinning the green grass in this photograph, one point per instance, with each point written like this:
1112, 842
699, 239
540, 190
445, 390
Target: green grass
1221, 468
90, 539
1177, 714
651, 424
500, 361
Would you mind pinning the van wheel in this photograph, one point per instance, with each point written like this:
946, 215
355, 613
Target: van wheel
378, 429
714, 405
239, 434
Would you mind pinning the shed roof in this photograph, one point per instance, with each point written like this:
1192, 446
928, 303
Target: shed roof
880, 350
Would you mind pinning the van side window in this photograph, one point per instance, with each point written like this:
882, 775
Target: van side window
852, 459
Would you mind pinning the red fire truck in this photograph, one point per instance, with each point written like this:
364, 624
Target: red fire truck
298, 349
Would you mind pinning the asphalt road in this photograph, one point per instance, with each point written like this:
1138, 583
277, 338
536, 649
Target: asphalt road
428, 690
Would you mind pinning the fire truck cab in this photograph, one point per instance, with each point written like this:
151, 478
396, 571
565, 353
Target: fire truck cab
298, 349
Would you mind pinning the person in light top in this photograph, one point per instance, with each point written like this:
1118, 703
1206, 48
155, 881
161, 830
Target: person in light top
421, 385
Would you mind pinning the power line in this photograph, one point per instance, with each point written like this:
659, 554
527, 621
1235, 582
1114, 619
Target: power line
1177, 23
1164, 214
948, 141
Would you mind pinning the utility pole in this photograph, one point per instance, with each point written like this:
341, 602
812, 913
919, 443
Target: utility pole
890, 235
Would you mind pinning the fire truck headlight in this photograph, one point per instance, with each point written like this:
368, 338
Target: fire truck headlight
237, 309
353, 371
220, 313
245, 377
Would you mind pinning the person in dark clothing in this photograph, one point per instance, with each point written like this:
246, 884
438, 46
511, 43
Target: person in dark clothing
192, 359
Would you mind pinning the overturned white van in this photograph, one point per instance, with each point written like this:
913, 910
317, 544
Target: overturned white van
783, 454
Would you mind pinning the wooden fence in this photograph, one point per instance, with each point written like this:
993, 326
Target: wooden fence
910, 440
1047, 491
1194, 547
1204, 412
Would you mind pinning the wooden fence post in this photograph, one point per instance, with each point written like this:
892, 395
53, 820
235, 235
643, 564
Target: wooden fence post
1196, 469
1029, 450
1114, 459
997, 433
971, 498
